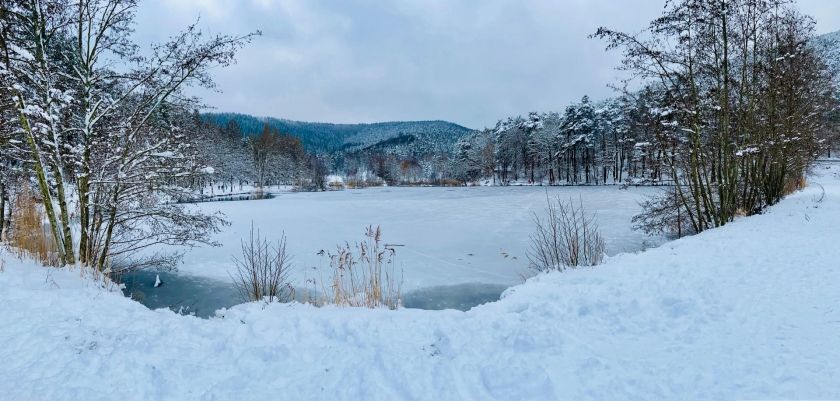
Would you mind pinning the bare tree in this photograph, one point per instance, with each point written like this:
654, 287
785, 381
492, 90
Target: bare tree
663, 214
741, 98
101, 120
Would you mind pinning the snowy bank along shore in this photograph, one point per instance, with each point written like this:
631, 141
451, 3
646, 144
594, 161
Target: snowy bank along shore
747, 311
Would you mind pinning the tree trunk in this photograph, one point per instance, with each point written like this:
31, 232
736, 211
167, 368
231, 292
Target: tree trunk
2, 208
84, 213
109, 230
42, 184
64, 215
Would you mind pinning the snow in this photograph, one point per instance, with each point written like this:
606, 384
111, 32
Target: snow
334, 179
21, 52
449, 235
747, 151
747, 311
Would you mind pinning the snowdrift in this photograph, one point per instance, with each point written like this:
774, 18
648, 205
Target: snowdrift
746, 311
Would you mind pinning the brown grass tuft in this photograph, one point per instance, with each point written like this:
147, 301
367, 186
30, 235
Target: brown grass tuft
363, 275
794, 185
30, 236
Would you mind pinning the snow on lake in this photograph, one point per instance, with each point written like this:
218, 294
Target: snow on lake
450, 235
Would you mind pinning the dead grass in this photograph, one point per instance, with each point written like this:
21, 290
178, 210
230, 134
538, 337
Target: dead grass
29, 235
363, 275
794, 185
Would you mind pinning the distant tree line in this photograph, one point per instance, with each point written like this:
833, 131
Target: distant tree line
607, 142
241, 157
267, 159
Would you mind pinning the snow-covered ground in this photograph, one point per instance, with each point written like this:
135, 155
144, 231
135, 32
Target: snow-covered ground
748, 311
449, 235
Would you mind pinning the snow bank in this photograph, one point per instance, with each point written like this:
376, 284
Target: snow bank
748, 311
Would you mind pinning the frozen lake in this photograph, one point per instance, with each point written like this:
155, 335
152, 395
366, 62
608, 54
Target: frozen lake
202, 297
450, 236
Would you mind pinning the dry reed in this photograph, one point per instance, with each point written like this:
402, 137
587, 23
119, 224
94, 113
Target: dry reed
29, 235
363, 275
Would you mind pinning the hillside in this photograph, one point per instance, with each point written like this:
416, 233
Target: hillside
829, 46
326, 137
746, 311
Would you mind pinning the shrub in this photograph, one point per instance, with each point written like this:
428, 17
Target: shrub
363, 275
565, 237
263, 270
451, 182
365, 182
663, 214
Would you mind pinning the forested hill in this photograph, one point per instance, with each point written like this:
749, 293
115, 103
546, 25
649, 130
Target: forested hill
331, 137
829, 46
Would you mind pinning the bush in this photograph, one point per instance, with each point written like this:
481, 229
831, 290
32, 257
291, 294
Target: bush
663, 214
360, 183
566, 237
451, 182
263, 270
363, 275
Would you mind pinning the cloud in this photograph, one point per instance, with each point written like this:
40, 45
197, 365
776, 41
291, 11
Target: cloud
366, 60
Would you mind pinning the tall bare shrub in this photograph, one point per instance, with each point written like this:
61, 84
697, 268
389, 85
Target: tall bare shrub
566, 236
262, 271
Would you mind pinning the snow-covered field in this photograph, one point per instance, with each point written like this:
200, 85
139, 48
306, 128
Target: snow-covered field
449, 235
748, 311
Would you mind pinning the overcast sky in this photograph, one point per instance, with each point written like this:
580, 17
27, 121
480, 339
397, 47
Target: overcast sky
467, 61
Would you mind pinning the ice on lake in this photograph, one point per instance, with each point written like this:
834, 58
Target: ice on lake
450, 236
202, 297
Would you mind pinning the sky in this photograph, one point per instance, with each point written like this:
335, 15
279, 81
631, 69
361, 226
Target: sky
466, 61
